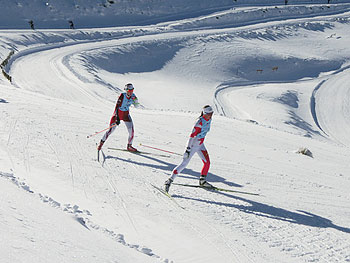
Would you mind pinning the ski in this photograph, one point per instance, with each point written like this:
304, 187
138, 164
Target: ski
139, 152
168, 195
214, 188
98, 154
103, 157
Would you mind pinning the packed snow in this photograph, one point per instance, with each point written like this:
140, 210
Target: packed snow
277, 76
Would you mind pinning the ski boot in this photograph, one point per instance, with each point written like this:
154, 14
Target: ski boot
99, 147
167, 185
131, 149
203, 182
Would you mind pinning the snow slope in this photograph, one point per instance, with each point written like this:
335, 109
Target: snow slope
278, 83
106, 13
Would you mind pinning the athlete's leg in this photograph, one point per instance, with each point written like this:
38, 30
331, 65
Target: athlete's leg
178, 169
203, 154
109, 132
130, 126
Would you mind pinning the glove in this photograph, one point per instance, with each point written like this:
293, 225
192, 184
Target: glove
187, 153
117, 121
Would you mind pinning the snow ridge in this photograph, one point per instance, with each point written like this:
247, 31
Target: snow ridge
81, 216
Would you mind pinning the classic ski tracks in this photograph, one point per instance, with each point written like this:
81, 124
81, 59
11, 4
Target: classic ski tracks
110, 180
182, 215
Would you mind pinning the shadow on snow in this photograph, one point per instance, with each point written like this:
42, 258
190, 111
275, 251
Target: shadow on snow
259, 209
256, 208
166, 166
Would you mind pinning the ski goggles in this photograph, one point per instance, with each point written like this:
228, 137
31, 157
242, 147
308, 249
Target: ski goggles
208, 110
128, 87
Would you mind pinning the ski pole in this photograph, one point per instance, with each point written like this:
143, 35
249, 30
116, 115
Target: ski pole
89, 136
160, 149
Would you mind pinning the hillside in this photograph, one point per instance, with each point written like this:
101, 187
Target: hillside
277, 76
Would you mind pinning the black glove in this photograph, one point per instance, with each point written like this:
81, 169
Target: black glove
187, 153
117, 121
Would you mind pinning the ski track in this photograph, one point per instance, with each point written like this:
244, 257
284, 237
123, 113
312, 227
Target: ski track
93, 185
215, 234
200, 230
82, 216
275, 235
340, 106
204, 231
114, 185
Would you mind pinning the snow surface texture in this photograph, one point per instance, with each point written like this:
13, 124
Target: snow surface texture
278, 78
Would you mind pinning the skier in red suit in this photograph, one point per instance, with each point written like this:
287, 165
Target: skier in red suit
121, 113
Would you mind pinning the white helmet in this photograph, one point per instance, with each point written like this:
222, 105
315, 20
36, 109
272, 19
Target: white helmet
207, 109
129, 86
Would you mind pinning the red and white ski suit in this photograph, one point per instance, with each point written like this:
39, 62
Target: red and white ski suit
196, 145
122, 109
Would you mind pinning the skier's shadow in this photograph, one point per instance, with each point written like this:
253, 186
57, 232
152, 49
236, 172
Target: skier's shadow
166, 166
259, 209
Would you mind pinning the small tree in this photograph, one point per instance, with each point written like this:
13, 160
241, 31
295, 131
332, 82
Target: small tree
71, 24
31, 24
